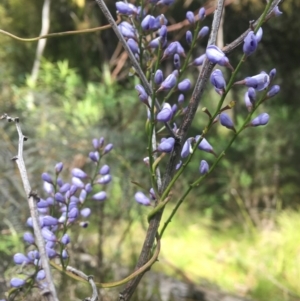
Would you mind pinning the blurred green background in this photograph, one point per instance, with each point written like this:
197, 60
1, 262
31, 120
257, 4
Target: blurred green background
239, 231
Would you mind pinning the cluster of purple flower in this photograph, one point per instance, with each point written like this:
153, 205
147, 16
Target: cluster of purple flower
143, 25
64, 206
147, 24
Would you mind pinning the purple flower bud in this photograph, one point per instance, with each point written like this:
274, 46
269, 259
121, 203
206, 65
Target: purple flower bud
174, 47
163, 32
184, 85
176, 61
217, 56
85, 212
78, 173
74, 199
226, 121
259, 34
33, 255
41, 275
174, 109
178, 165
148, 23
59, 197
29, 222
250, 43
47, 178
43, 210
88, 188
59, 182
180, 99
48, 235
165, 114
133, 45
74, 212
95, 143
162, 20
276, 11
218, 81
28, 237
64, 254
201, 13
170, 50
100, 196
65, 239
180, 49
168, 83
17, 282
143, 96
204, 145
187, 148
189, 37
42, 204
104, 170
142, 199
190, 17
77, 182
273, 91
108, 148
101, 141
20, 258
199, 60
155, 43
82, 196
94, 156
64, 188
203, 32
59, 167
51, 253
50, 201
272, 74
127, 30
252, 94
152, 194
204, 167
105, 179
175, 72
166, 146
49, 220
261, 119
158, 77
248, 102
125, 8
48, 187
258, 82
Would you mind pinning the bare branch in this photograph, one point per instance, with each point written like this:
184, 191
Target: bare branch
50, 294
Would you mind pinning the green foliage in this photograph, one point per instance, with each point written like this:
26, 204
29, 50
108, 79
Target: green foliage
236, 261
